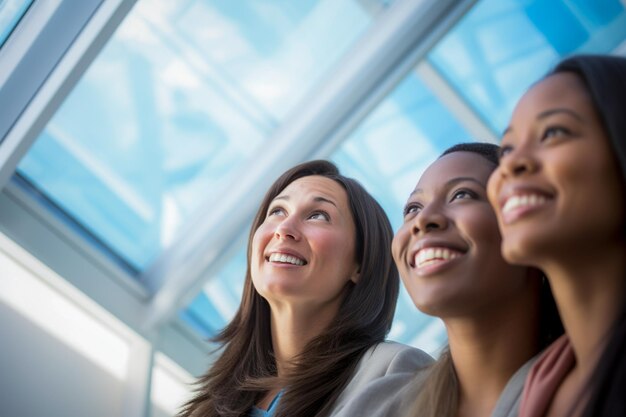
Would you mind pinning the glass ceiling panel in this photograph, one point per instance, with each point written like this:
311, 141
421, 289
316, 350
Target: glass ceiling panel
11, 11
178, 100
219, 300
502, 46
387, 154
495, 53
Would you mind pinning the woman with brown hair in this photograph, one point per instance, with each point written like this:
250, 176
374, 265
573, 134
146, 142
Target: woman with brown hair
560, 196
319, 298
497, 316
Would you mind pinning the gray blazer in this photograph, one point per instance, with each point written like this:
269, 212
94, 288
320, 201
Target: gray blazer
384, 369
393, 394
509, 401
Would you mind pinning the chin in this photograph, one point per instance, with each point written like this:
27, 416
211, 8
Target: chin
518, 251
430, 307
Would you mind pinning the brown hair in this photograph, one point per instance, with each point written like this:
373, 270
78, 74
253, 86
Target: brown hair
438, 392
246, 368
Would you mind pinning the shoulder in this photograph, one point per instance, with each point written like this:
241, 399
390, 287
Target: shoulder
383, 371
509, 401
390, 357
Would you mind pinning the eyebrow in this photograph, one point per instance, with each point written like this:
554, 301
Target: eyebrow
317, 199
549, 113
450, 183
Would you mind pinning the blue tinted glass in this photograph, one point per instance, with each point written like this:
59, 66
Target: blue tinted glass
176, 103
387, 154
271, 52
11, 11
502, 46
218, 302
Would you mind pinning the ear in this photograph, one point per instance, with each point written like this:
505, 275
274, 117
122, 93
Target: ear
356, 275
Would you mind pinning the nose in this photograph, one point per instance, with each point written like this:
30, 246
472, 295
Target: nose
430, 218
518, 162
287, 229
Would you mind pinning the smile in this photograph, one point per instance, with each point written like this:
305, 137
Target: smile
430, 256
523, 201
285, 259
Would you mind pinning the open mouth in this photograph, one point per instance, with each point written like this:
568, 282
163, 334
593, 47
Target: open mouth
518, 205
282, 258
434, 255
523, 201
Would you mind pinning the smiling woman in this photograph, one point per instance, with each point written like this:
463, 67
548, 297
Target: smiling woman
303, 249
319, 298
560, 196
448, 254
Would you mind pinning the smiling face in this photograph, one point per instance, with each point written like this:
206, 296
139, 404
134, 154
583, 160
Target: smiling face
304, 251
448, 249
557, 191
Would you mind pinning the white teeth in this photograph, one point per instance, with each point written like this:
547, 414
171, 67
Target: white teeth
431, 255
522, 201
286, 259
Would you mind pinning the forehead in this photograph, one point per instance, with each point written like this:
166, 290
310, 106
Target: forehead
561, 90
456, 165
315, 186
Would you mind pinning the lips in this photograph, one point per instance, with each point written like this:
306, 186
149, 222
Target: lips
518, 201
434, 252
430, 256
524, 200
286, 257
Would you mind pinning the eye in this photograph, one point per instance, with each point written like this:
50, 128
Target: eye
320, 215
276, 211
504, 151
411, 208
554, 132
463, 195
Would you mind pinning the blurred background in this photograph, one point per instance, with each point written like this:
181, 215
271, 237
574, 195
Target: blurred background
137, 139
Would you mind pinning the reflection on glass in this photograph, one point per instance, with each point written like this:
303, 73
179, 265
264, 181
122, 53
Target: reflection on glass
11, 11
177, 102
387, 154
218, 302
502, 46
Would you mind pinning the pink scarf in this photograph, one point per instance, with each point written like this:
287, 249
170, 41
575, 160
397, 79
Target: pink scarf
545, 377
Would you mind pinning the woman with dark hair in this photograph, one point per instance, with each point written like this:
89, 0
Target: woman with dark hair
319, 298
560, 193
497, 316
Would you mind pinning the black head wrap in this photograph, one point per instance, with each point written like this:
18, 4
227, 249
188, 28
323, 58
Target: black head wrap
605, 79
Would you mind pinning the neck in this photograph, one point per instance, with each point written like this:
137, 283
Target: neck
485, 349
293, 327
589, 290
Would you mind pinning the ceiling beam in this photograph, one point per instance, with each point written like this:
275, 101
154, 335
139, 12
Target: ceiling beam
41, 65
386, 53
450, 97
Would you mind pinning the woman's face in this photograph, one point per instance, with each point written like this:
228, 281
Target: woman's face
448, 249
557, 191
304, 251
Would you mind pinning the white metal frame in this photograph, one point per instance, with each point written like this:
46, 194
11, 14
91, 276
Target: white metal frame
69, 34
386, 53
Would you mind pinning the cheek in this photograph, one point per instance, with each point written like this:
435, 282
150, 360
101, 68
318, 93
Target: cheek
330, 245
334, 253
482, 228
493, 187
597, 195
259, 240
399, 244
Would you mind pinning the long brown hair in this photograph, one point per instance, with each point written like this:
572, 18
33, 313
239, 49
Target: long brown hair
246, 368
437, 394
